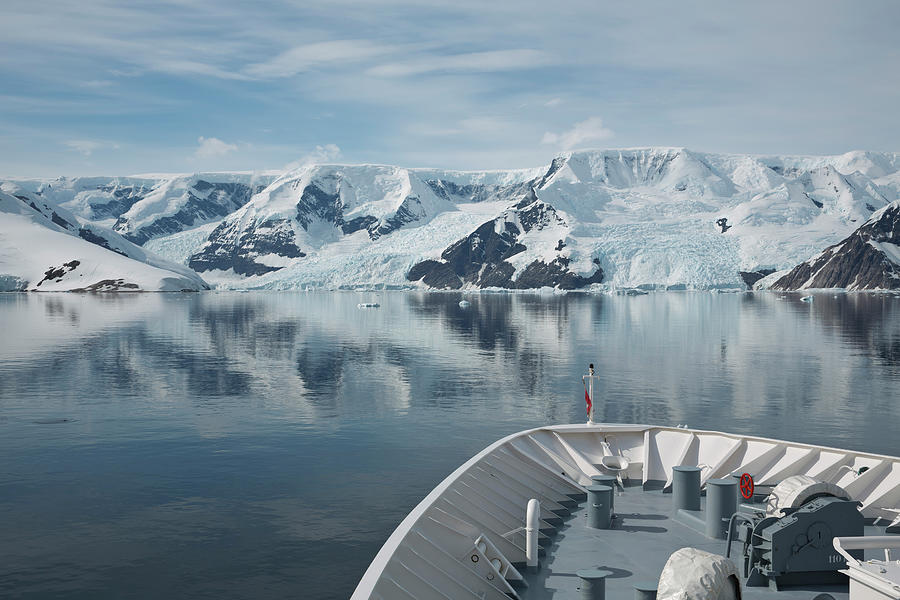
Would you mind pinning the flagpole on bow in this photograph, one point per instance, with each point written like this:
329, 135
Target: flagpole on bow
588, 381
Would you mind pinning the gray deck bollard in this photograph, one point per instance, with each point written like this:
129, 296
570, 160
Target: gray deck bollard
599, 504
721, 503
686, 487
611, 481
645, 590
593, 583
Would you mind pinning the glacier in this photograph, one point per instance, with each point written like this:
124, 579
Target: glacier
647, 218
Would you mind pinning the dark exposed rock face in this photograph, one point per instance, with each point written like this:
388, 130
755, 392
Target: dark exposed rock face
480, 258
321, 200
409, 211
316, 203
60, 221
555, 274
124, 197
89, 236
48, 212
57, 273
534, 214
454, 192
751, 277
475, 256
854, 263
435, 274
110, 285
231, 248
206, 202
557, 164
354, 225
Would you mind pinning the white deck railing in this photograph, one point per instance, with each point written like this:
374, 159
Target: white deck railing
463, 538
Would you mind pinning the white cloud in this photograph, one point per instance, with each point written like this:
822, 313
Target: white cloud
96, 84
213, 147
473, 62
321, 154
87, 147
192, 67
585, 132
470, 126
302, 58
553, 102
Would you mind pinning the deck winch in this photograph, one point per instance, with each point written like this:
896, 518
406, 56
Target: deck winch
791, 542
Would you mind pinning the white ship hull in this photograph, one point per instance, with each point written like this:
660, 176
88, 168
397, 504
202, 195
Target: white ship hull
466, 538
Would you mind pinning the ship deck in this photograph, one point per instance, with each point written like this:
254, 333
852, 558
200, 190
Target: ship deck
469, 528
635, 549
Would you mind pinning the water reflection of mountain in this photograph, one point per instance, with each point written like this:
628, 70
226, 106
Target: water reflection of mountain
752, 362
868, 322
485, 321
253, 426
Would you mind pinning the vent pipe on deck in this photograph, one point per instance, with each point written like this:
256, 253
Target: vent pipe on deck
532, 526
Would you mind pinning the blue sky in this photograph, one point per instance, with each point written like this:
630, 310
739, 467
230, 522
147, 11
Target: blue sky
103, 87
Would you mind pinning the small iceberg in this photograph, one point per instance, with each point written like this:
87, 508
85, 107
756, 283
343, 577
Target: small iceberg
464, 304
631, 292
368, 305
806, 299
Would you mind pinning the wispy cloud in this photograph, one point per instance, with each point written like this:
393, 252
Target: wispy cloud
470, 126
96, 84
321, 154
192, 67
586, 132
302, 58
472, 62
456, 83
213, 148
87, 147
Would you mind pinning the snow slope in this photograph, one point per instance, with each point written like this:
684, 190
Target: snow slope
147, 206
651, 217
646, 216
868, 259
348, 225
45, 248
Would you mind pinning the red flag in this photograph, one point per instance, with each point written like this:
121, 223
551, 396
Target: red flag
587, 398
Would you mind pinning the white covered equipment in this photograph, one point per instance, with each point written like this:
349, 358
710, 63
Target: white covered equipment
795, 491
692, 574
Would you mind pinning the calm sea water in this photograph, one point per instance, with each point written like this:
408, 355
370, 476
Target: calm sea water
264, 445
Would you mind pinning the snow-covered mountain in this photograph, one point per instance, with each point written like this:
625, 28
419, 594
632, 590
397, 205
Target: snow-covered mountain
46, 248
145, 207
339, 225
652, 217
869, 259
660, 217
497, 253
